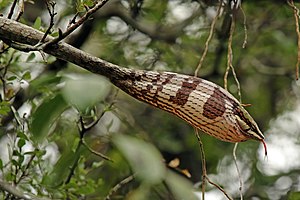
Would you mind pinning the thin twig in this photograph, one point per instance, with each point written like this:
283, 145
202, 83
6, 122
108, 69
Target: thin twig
12, 9
73, 20
211, 32
203, 161
75, 163
82, 130
237, 83
229, 54
230, 66
72, 28
204, 171
51, 10
219, 188
21, 47
21, 10
238, 170
109, 107
2, 77
229, 60
25, 170
119, 185
245, 27
296, 15
96, 152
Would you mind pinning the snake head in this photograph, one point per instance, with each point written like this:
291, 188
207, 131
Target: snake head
249, 127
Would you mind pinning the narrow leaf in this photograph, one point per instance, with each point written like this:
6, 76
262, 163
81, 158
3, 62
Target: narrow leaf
62, 168
84, 91
45, 115
144, 158
37, 24
60, 171
21, 143
180, 187
12, 78
1, 164
30, 57
26, 76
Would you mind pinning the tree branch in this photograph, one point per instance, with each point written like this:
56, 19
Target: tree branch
18, 193
18, 33
77, 39
72, 28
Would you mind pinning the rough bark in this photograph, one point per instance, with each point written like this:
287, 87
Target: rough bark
22, 34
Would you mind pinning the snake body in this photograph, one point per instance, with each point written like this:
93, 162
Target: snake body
201, 103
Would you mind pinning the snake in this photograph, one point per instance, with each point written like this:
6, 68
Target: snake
201, 103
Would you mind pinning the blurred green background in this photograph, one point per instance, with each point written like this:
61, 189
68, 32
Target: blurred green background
45, 104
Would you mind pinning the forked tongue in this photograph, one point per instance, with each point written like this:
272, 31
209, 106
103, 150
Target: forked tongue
265, 147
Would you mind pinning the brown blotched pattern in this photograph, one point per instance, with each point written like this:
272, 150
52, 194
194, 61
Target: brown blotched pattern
182, 95
214, 106
201, 103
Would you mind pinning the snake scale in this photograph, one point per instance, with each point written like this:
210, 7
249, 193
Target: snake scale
201, 103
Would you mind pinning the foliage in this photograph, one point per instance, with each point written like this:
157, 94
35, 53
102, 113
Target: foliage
68, 134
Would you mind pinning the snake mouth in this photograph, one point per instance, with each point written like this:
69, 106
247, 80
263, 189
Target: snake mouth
254, 134
257, 135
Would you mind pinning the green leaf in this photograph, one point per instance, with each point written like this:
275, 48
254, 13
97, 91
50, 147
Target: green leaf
62, 168
30, 153
22, 135
60, 171
12, 78
40, 152
85, 91
37, 24
26, 76
21, 143
180, 187
30, 57
10, 176
45, 115
4, 4
1, 164
144, 158
81, 3
21, 160
55, 34
86, 189
15, 153
15, 162
75, 144
96, 165
44, 82
4, 107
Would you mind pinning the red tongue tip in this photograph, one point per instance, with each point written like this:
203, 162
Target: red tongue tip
265, 147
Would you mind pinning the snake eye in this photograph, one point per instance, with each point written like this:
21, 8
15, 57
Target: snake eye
251, 130
243, 125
